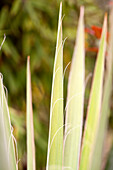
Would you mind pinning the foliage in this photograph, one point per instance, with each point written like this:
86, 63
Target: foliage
30, 28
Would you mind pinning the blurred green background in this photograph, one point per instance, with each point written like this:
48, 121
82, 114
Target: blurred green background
31, 27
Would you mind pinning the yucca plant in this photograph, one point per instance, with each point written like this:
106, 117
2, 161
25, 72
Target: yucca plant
70, 146
69, 150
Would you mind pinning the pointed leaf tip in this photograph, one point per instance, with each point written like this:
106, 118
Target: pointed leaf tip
81, 11
60, 12
106, 15
28, 57
105, 20
61, 4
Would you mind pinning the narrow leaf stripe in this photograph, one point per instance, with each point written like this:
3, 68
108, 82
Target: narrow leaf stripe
30, 129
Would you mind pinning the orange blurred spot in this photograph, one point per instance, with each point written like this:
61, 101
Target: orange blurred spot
96, 31
92, 49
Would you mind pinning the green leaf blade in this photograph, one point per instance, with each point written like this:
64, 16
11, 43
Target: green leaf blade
96, 164
55, 142
30, 129
94, 107
75, 101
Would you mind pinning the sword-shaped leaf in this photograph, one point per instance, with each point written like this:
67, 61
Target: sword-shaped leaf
75, 101
106, 101
55, 142
94, 106
30, 129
